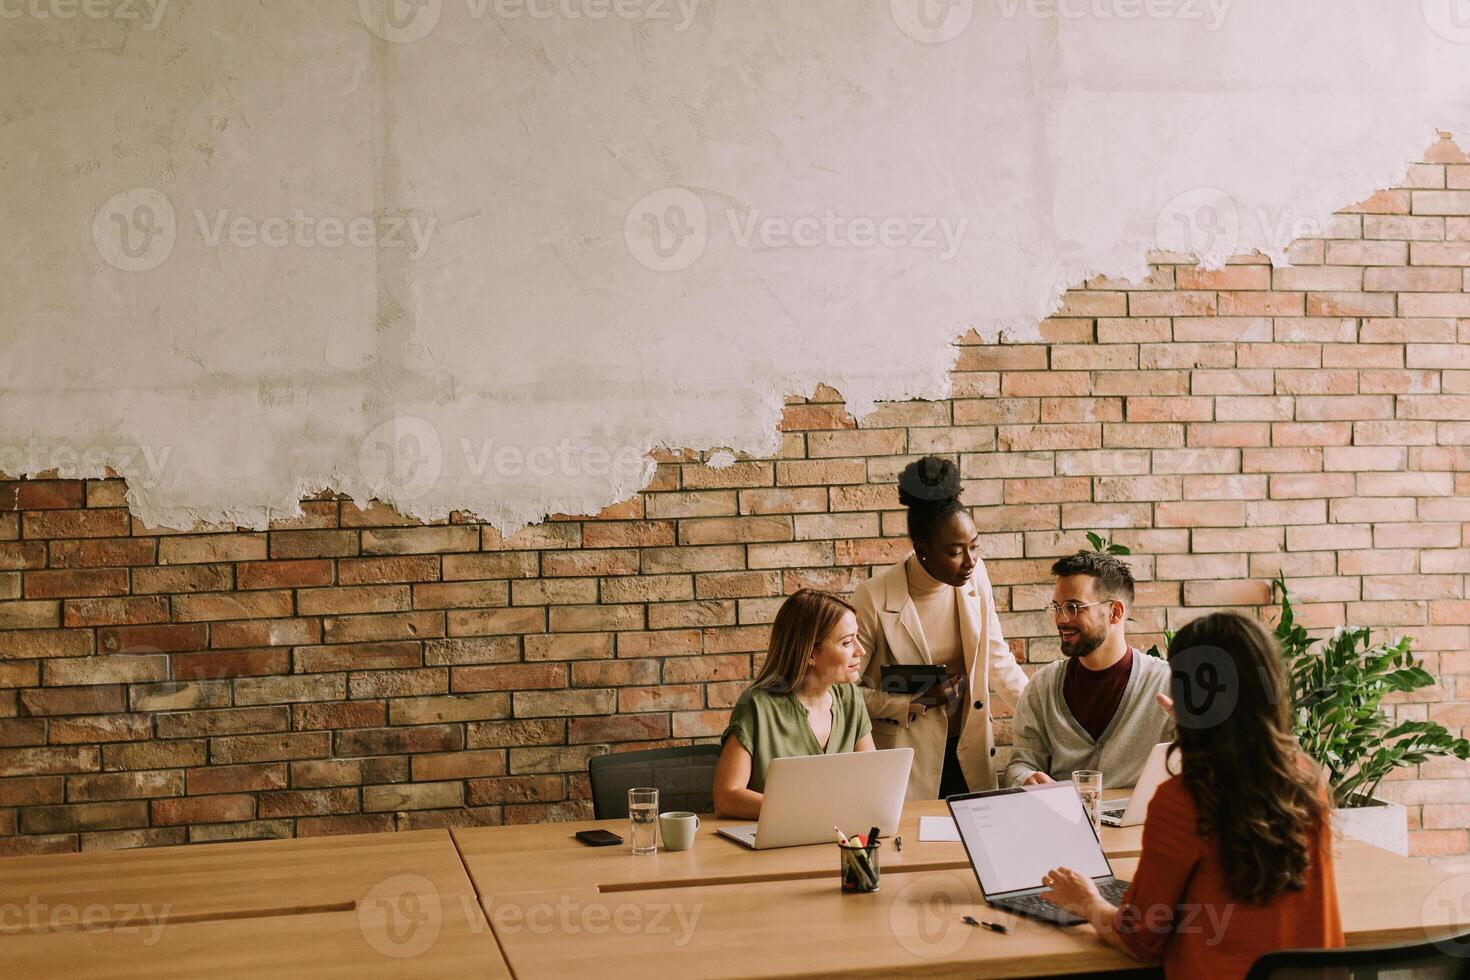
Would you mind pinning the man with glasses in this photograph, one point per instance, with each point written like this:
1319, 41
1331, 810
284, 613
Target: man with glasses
1097, 707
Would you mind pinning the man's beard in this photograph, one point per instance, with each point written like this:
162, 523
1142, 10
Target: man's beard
1083, 643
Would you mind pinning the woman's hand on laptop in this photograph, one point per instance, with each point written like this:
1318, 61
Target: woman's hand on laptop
1037, 777
1074, 892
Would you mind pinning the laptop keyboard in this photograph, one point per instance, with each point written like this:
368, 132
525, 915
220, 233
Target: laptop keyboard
1036, 907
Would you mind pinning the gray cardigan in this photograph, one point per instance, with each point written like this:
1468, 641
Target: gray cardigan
1048, 739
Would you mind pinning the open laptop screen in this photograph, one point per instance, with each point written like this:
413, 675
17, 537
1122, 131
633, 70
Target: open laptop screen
1014, 836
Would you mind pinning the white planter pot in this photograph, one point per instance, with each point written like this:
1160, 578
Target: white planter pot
1384, 825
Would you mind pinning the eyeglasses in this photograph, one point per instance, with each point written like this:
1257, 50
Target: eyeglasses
1072, 607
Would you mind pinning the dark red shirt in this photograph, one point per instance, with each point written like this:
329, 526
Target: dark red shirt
1093, 696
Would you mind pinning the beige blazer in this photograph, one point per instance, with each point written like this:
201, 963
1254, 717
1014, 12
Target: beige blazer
889, 628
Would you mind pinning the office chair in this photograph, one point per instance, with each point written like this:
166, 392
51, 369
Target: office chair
1443, 959
684, 776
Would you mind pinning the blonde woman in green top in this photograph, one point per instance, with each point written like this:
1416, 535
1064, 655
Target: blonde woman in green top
803, 702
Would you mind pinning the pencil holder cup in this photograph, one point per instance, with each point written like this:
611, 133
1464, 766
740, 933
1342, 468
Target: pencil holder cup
859, 867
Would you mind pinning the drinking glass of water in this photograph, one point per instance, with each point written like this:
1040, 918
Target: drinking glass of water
1089, 787
643, 819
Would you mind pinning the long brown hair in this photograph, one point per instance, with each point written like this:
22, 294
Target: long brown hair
802, 622
1241, 763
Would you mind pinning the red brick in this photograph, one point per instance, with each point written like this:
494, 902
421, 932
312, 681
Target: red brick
89, 729
85, 816
207, 548
324, 716
72, 583
110, 523
269, 748
152, 639
44, 644
184, 578
231, 663
308, 802
318, 544
393, 741
515, 789
509, 677
114, 612
284, 574
410, 568
265, 632
203, 809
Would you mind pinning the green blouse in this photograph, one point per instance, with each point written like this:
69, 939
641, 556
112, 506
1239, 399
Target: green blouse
771, 726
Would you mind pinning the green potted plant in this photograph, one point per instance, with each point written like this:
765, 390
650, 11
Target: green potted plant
1337, 692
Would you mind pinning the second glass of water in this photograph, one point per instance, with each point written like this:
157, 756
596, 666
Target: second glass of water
643, 819
1089, 787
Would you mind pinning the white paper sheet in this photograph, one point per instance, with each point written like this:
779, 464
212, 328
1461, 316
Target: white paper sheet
938, 828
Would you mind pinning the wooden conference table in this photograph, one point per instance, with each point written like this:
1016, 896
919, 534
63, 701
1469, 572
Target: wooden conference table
532, 902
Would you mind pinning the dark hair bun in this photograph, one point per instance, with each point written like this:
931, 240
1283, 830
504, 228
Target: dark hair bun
928, 481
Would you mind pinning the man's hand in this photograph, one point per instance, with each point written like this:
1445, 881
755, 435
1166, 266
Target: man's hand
1037, 777
1167, 703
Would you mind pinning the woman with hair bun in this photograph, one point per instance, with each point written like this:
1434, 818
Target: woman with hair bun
935, 607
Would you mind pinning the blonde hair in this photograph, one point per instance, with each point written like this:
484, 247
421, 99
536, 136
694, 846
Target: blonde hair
802, 622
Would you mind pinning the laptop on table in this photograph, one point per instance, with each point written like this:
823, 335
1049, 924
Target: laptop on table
807, 795
1131, 811
1015, 836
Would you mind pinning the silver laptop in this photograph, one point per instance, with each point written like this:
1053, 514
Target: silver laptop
807, 795
1015, 836
1131, 811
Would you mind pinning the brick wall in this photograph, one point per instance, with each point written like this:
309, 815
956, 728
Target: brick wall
349, 671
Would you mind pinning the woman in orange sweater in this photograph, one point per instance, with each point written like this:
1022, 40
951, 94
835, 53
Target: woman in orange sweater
1237, 849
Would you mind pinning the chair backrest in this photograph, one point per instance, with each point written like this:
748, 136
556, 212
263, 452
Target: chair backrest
684, 776
1442, 959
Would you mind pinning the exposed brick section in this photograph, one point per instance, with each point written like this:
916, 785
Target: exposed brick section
353, 671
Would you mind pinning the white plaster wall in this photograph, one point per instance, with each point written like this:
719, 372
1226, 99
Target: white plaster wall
520, 354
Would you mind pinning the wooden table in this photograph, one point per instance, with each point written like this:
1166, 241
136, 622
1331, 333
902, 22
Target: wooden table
546, 857
720, 910
374, 905
531, 902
